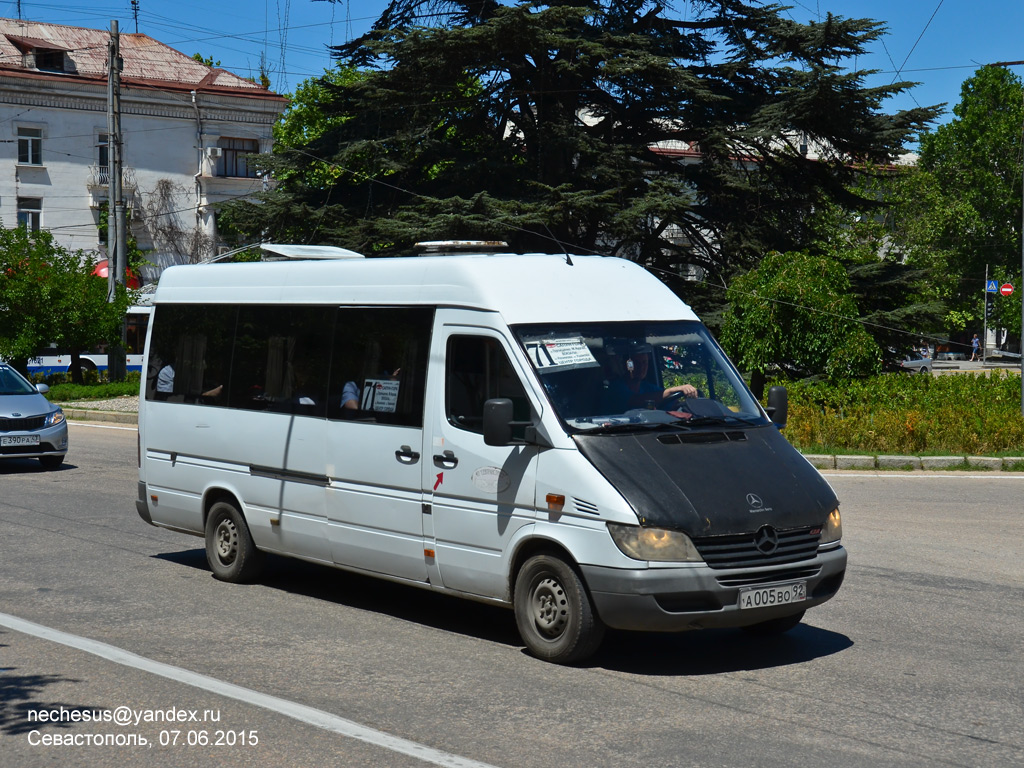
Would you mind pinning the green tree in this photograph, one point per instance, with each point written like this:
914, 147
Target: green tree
207, 60
606, 125
794, 315
49, 294
960, 210
898, 303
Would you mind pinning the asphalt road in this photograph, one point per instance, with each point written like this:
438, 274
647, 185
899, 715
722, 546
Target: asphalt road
917, 661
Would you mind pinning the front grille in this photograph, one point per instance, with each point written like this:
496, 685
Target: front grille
772, 577
740, 550
26, 424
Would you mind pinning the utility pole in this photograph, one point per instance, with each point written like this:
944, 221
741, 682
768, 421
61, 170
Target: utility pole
117, 235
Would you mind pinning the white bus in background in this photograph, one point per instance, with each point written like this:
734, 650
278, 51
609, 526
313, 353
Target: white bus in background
560, 436
52, 359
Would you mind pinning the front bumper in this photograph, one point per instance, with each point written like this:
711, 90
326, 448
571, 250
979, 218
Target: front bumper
685, 598
53, 441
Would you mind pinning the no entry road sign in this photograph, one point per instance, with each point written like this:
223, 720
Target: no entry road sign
1006, 289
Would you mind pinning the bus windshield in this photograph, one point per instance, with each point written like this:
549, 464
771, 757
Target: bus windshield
604, 376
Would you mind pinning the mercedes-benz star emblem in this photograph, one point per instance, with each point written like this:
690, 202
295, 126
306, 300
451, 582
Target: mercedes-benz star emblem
766, 540
754, 501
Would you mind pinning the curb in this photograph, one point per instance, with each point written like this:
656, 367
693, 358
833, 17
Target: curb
115, 417
910, 463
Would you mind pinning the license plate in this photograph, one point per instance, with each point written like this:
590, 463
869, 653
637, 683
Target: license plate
777, 594
20, 440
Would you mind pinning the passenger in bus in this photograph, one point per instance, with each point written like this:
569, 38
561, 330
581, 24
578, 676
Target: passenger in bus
165, 381
350, 396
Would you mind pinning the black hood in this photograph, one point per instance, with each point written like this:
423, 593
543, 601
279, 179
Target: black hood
705, 483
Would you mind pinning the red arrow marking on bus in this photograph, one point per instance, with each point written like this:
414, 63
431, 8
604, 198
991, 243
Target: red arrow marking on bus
440, 477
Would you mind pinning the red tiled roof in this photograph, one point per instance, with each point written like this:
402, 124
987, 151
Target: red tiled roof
146, 61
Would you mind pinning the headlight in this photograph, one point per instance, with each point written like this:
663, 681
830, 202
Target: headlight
55, 418
657, 544
832, 530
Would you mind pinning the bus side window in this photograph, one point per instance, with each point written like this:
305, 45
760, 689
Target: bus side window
477, 370
379, 360
196, 341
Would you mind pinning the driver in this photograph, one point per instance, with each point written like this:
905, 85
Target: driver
633, 387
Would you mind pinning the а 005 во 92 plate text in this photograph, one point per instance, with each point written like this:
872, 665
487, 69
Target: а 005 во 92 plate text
780, 594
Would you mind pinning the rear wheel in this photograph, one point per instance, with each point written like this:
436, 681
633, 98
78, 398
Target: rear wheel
553, 611
775, 626
230, 550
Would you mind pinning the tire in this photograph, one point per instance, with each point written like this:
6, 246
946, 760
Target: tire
775, 626
230, 551
924, 370
51, 462
555, 617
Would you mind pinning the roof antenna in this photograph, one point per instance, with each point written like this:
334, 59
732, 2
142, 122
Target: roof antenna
568, 258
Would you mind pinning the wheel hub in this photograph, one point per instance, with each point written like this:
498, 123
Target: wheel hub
550, 607
227, 541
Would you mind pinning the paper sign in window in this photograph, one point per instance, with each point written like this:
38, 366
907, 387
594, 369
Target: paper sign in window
550, 355
380, 395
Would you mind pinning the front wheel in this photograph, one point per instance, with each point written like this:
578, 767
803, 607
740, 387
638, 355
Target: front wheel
230, 550
553, 611
51, 462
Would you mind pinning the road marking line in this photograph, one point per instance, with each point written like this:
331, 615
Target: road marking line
309, 715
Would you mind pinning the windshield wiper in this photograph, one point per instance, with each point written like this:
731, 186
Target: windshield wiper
704, 420
627, 426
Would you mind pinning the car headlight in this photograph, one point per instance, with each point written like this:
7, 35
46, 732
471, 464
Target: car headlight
55, 418
832, 530
658, 544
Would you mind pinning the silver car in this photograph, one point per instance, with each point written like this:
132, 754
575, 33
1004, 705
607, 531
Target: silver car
915, 363
30, 425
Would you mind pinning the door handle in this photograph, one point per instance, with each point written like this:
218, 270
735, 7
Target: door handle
407, 455
446, 460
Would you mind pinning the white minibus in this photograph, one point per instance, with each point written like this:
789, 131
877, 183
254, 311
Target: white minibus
558, 435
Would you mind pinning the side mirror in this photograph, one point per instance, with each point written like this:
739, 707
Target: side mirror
42, 389
498, 421
778, 406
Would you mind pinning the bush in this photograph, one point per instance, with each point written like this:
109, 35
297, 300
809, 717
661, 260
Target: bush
957, 414
66, 392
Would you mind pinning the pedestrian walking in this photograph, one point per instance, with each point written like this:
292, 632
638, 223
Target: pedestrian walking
975, 348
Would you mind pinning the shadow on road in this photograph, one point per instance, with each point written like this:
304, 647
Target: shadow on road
702, 652
9, 466
20, 702
714, 651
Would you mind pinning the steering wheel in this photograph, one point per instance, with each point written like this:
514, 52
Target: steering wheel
673, 401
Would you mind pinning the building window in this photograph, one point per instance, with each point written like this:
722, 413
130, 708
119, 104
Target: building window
50, 61
102, 159
29, 211
30, 146
232, 161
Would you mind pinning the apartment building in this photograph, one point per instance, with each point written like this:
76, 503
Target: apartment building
187, 130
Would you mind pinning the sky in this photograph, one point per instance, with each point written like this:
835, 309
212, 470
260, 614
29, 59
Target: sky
937, 43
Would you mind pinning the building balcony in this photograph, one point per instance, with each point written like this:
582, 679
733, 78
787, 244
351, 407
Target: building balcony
99, 176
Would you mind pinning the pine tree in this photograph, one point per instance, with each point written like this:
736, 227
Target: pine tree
603, 126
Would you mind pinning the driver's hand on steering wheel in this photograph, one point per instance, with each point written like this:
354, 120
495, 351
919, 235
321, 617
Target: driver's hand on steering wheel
688, 390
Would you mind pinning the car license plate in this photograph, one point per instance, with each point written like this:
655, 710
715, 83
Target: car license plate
777, 594
20, 440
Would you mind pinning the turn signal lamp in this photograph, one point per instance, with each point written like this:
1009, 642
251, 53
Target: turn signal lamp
556, 502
